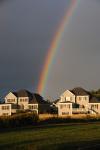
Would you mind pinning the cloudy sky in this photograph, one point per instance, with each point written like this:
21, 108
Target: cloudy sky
27, 28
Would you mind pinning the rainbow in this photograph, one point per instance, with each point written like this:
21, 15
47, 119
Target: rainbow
54, 46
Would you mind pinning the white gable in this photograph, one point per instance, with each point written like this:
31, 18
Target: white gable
10, 96
67, 96
67, 93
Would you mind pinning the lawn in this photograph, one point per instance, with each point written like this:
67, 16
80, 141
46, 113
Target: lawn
80, 137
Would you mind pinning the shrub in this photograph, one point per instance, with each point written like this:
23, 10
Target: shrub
19, 120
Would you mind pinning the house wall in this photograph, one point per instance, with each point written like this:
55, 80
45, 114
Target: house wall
14, 108
33, 107
11, 98
23, 102
64, 109
5, 109
82, 101
94, 108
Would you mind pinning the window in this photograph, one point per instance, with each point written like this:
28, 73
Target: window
33, 107
80, 98
5, 114
62, 106
68, 106
10, 100
65, 113
94, 106
23, 100
5, 107
20, 100
26, 100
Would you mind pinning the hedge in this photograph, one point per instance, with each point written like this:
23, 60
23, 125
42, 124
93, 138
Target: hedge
19, 120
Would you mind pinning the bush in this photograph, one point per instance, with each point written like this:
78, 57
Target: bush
19, 120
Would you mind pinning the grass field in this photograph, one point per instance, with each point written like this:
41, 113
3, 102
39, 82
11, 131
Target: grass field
54, 137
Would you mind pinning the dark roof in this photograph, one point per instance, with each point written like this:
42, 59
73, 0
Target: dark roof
15, 93
24, 93
94, 100
33, 98
37, 99
78, 91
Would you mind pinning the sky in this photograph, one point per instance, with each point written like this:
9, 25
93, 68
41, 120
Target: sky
27, 28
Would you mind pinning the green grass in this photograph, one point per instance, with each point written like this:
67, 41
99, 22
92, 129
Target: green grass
51, 137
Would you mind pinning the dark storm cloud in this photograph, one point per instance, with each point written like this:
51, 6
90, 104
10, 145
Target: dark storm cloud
26, 30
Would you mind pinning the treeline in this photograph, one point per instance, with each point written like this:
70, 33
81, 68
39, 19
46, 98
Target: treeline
95, 93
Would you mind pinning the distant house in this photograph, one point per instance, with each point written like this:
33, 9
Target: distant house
77, 101
94, 105
42, 105
5, 109
23, 100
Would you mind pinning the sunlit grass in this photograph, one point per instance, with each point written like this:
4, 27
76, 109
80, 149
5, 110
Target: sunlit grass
52, 137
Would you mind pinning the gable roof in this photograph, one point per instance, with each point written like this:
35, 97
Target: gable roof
94, 100
78, 91
24, 93
33, 98
15, 93
37, 99
67, 92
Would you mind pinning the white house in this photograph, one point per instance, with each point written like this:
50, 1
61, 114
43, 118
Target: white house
94, 105
23, 100
5, 109
77, 101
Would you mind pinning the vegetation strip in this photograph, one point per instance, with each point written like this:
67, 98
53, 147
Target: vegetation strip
55, 137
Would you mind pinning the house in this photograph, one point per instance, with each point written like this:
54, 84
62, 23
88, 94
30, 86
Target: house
94, 105
77, 101
42, 105
23, 100
5, 109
